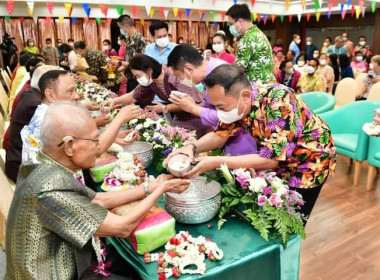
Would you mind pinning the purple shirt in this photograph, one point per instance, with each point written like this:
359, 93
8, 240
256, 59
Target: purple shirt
240, 144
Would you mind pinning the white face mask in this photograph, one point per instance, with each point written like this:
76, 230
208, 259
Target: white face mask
371, 66
188, 82
71, 44
362, 43
315, 55
105, 48
301, 63
359, 58
144, 81
323, 62
310, 69
345, 39
290, 71
119, 43
308, 43
231, 116
162, 42
325, 44
218, 48
298, 41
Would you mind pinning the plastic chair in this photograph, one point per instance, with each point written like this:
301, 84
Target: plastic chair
374, 93
6, 79
345, 92
346, 124
4, 100
9, 71
373, 160
318, 102
6, 197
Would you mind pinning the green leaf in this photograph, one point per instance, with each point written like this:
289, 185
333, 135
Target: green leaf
247, 199
235, 202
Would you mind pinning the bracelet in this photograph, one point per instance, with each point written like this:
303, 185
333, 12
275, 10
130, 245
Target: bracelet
165, 109
146, 188
194, 147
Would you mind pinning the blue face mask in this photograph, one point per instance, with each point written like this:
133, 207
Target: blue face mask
233, 31
122, 32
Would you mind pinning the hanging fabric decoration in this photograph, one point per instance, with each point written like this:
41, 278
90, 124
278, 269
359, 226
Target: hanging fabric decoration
213, 2
188, 13
290, 18
343, 14
35, 19
357, 11
180, 14
303, 2
235, 1
273, 18
223, 15
329, 5
363, 12
287, 2
48, 19
317, 15
74, 19
253, 3
200, 13
135, 11
104, 9
162, 11
175, 12
50, 5
348, 3
97, 20
282, 18
10, 6
258, 18
352, 10
254, 16
316, 5
148, 8
373, 7
341, 8
21, 19
320, 3
299, 16
151, 13
30, 7
265, 19
166, 13
212, 15
308, 17
7, 19
87, 9
207, 23
142, 21
334, 2
69, 8
61, 18
109, 20
119, 9
86, 20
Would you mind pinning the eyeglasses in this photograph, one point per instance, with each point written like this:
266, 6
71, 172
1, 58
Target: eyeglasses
79, 138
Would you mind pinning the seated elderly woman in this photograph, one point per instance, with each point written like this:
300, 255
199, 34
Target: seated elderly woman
53, 217
156, 79
291, 139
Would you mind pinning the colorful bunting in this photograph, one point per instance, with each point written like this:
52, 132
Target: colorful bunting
235, 2
175, 12
74, 19
373, 6
352, 10
166, 13
316, 5
320, 3
21, 19
148, 8
86, 20
61, 19
287, 2
69, 8
200, 13
109, 20
343, 14
299, 16
265, 19
48, 19
97, 20
10, 6
212, 15
30, 7
188, 13
258, 17
151, 14
348, 3
357, 12
7, 18
180, 14
223, 15
254, 16
307, 17
50, 5
119, 9
35, 19
341, 8
273, 18
87, 9
162, 11
303, 2
317, 15
135, 11
104, 9
207, 22
290, 18
282, 18
253, 3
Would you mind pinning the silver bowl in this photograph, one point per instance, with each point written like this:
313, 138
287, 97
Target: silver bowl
179, 165
143, 150
198, 204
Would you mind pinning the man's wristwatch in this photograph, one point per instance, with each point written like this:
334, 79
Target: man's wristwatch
146, 188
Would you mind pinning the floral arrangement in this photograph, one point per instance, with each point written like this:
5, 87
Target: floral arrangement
372, 129
165, 138
264, 200
183, 251
92, 91
101, 253
129, 171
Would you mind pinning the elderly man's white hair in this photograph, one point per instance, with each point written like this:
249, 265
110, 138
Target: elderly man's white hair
39, 72
63, 118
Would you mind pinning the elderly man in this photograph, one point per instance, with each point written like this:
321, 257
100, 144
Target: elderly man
292, 140
53, 218
338, 48
59, 85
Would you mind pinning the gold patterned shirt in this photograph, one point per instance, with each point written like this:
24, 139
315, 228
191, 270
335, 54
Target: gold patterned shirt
51, 222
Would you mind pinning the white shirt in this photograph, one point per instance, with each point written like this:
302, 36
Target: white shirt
72, 60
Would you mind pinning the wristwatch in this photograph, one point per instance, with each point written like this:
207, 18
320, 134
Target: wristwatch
165, 109
146, 188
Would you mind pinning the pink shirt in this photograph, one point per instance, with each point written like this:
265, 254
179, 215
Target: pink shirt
229, 58
122, 51
359, 65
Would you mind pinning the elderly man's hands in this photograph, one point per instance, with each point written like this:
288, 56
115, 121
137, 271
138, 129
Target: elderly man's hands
185, 102
129, 112
102, 120
166, 183
120, 139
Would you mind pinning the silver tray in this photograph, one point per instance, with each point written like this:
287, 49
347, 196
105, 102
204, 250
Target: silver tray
143, 150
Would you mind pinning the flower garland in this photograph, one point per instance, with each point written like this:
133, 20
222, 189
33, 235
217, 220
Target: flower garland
184, 250
129, 171
264, 200
101, 254
372, 129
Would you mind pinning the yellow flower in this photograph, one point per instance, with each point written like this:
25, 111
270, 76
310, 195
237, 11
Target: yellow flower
33, 140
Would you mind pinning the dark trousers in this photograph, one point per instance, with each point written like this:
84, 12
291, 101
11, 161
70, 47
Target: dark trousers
310, 197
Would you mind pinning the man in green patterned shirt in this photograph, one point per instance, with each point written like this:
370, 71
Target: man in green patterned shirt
53, 217
254, 54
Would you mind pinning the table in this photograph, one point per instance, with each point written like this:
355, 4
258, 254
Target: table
246, 254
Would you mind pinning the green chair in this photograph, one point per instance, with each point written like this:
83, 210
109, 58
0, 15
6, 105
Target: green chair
319, 102
346, 125
373, 160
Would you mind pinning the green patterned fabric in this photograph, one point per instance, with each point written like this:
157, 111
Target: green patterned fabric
255, 55
50, 221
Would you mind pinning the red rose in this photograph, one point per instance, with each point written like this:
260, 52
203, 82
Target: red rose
172, 253
176, 272
161, 276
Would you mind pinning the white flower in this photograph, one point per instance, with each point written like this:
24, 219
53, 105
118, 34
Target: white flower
132, 122
226, 173
147, 123
257, 184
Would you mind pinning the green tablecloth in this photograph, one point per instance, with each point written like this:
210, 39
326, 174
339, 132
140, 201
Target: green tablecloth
246, 254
